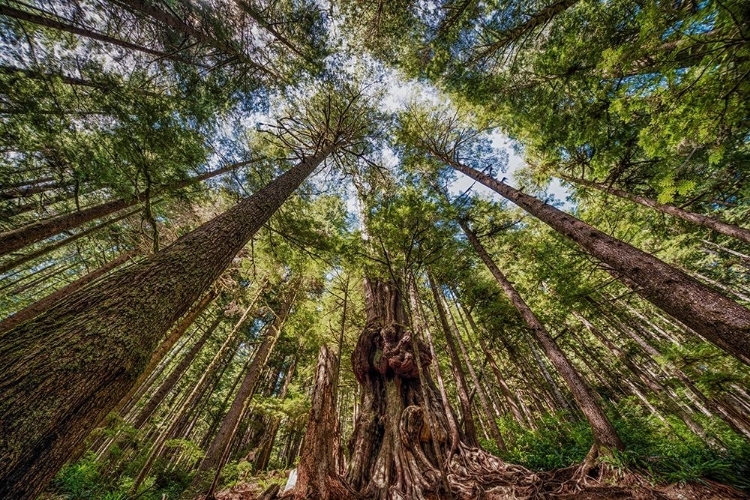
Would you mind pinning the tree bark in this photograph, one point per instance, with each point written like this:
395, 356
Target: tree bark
736, 232
15, 239
65, 369
32, 310
715, 317
31, 190
166, 345
605, 436
317, 477
12, 264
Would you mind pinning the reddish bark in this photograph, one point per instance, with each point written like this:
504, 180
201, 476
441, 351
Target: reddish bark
317, 478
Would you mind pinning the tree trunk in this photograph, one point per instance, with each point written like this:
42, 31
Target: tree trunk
265, 455
43, 203
470, 432
385, 461
317, 477
491, 417
507, 394
212, 461
513, 35
65, 369
191, 400
605, 436
200, 35
715, 317
166, 346
32, 189
15, 239
737, 232
47, 302
12, 264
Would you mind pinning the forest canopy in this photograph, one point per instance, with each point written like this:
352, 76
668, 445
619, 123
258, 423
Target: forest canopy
335, 249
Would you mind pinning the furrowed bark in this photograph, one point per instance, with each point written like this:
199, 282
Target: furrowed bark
316, 472
65, 369
166, 345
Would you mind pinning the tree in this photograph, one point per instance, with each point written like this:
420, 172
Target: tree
718, 319
606, 439
183, 271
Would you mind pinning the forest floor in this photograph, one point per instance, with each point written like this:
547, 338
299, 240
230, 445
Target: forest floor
704, 490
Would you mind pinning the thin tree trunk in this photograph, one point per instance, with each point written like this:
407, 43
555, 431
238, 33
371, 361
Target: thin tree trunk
195, 395
507, 394
26, 235
561, 402
470, 432
715, 317
200, 35
13, 210
22, 15
12, 264
536, 20
265, 454
174, 376
491, 417
166, 346
31, 190
65, 369
212, 461
38, 280
605, 436
737, 232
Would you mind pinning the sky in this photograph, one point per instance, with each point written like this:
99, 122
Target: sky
400, 92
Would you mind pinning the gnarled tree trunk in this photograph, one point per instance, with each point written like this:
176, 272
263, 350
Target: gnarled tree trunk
405, 443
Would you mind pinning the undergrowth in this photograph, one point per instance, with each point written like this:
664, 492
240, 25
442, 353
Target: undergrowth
666, 454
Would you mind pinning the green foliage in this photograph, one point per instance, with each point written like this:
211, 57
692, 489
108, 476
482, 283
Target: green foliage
89, 479
667, 455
